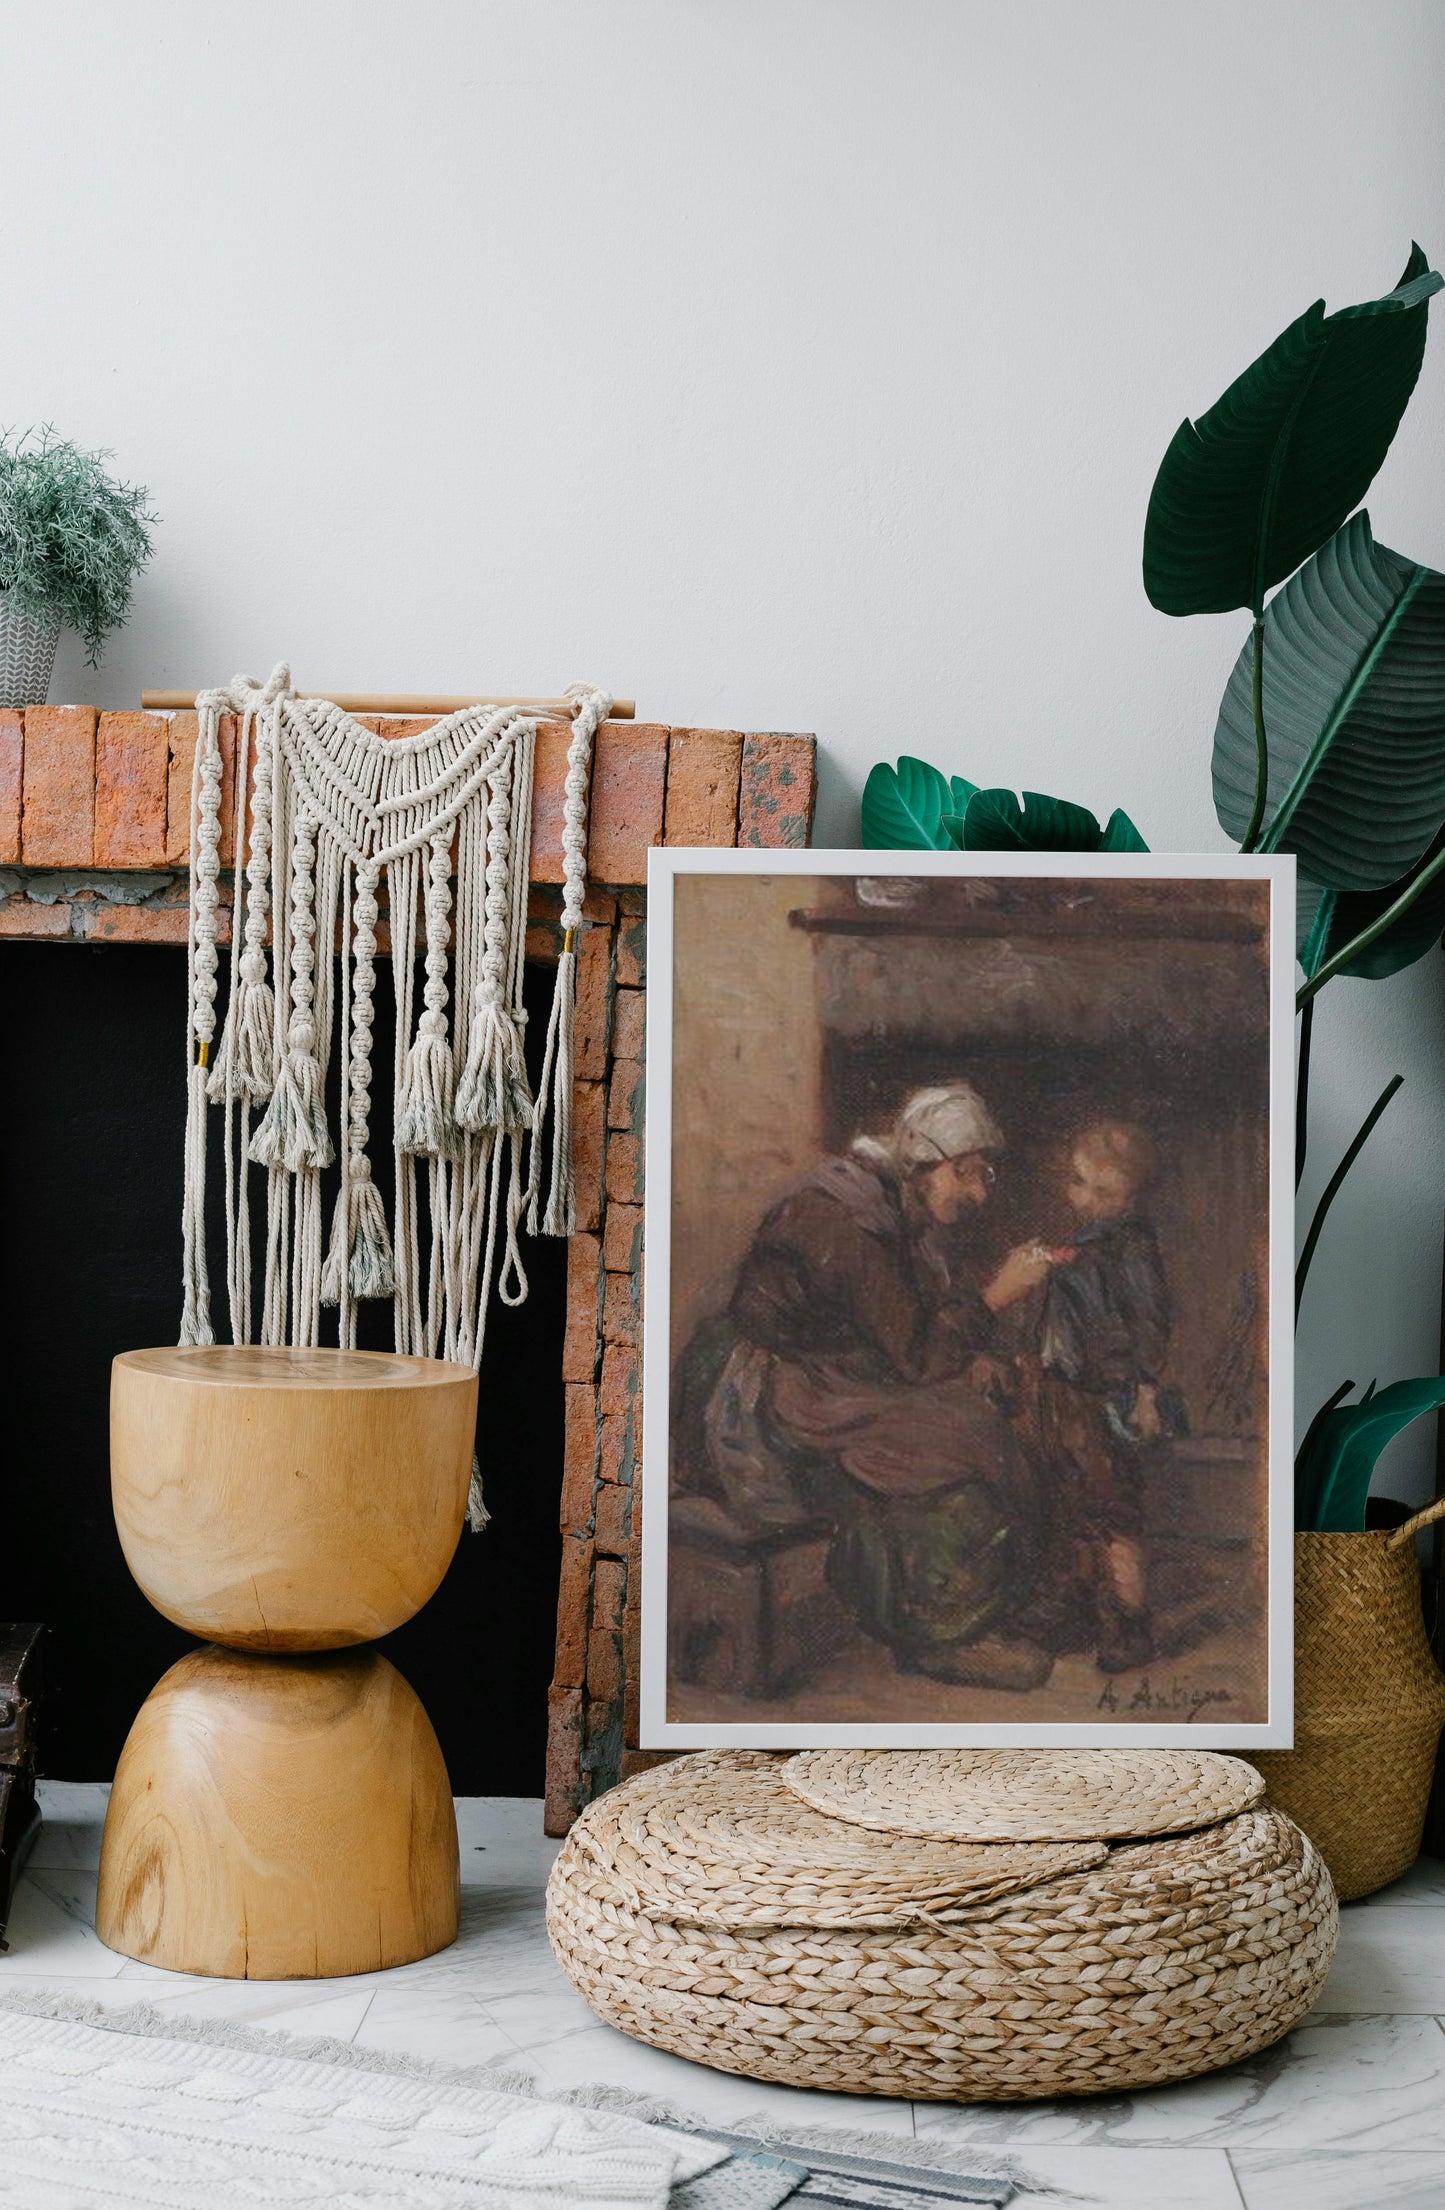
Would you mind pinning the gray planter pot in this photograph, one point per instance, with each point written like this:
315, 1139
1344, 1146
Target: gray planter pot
27, 653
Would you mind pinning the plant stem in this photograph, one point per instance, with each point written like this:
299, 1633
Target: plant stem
1302, 1093
1261, 747
1332, 1187
1367, 937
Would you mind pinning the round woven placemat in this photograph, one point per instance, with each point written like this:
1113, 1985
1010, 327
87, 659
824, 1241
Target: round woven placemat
724, 1842
1024, 1795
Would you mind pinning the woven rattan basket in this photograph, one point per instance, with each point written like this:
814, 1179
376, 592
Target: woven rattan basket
27, 653
1161, 1960
1369, 1703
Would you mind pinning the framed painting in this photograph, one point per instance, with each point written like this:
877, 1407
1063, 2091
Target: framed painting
969, 1245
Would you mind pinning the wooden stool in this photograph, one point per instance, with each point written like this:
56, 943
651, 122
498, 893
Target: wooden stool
279, 1814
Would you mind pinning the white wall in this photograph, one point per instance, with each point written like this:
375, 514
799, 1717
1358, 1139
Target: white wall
793, 364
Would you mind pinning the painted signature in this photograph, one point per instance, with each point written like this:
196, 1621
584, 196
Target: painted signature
1181, 1698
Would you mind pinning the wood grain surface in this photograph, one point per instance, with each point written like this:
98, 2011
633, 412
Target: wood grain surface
279, 1818
289, 1500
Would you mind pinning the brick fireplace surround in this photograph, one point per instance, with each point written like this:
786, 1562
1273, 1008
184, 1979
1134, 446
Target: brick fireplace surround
94, 831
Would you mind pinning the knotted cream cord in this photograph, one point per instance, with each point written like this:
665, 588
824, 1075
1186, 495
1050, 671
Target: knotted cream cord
445, 818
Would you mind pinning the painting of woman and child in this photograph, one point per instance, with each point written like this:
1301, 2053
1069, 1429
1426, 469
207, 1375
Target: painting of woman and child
960, 1411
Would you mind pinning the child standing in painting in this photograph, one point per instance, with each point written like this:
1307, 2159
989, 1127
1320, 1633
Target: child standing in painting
1103, 1330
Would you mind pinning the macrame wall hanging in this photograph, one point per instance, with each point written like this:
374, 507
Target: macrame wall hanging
443, 820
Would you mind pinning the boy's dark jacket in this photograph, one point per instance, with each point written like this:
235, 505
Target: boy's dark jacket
1106, 1313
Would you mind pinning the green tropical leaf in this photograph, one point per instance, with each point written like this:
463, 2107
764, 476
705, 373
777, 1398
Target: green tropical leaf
1120, 834
903, 807
1354, 708
1337, 1459
995, 821
1329, 920
1258, 483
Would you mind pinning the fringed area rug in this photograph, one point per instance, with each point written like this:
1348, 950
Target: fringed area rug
102, 2109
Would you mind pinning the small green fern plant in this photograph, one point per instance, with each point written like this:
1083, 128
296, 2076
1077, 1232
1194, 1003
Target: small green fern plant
72, 539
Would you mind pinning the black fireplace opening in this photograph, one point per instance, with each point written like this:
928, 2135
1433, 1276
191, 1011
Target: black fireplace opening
92, 1111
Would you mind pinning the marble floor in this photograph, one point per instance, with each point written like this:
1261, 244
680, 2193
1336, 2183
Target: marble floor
1347, 2114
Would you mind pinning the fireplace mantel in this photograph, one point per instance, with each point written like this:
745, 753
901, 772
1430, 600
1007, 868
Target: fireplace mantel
94, 845
95, 810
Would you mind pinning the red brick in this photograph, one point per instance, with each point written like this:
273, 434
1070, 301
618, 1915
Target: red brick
58, 823
564, 1759
134, 924
584, 1284
629, 794
779, 791
632, 951
602, 1743
180, 767
621, 1313
614, 1508
624, 1169
594, 1003
622, 1239
589, 1138
604, 1667
629, 1024
579, 1457
21, 917
600, 908
703, 770
549, 777
132, 758
632, 1637
574, 1589
12, 755
619, 1379
617, 1457
609, 1594
624, 1096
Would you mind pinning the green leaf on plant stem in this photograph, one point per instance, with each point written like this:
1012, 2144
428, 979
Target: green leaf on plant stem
1337, 1459
1120, 834
1354, 709
1328, 920
1258, 483
995, 821
903, 807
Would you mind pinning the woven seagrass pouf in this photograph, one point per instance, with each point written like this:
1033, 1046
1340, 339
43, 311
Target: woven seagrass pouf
707, 1909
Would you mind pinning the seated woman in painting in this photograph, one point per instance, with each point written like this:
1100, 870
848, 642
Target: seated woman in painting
851, 1383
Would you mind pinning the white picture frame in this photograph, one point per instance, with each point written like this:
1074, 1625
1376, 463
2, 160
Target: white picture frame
706, 1124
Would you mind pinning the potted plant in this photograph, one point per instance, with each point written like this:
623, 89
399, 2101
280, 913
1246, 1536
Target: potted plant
72, 541
1330, 744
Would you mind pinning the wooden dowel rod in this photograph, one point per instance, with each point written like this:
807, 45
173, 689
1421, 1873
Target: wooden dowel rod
366, 702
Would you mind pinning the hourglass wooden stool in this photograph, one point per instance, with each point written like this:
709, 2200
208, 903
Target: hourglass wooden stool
281, 1808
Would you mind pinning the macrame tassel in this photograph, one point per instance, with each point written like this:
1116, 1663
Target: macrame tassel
494, 1092
294, 1134
201, 985
426, 1119
244, 1068
365, 1248
196, 1289
478, 1516
560, 1216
